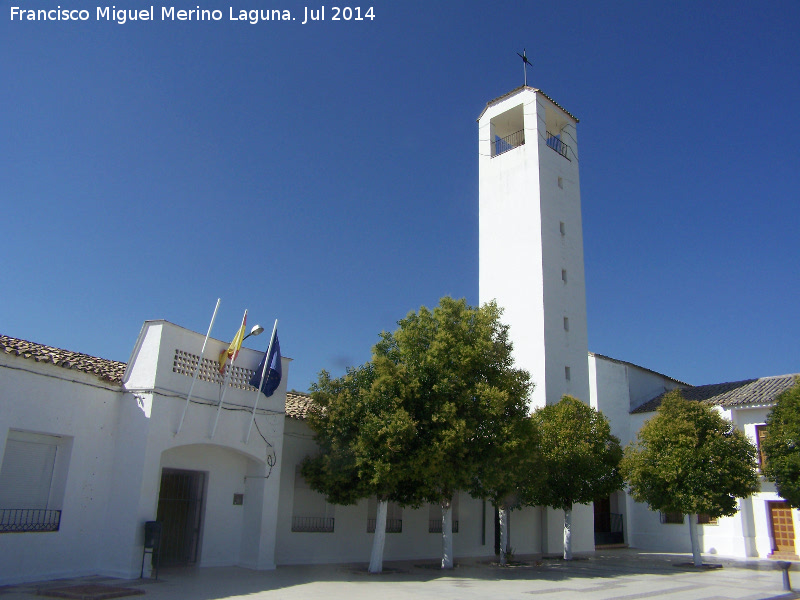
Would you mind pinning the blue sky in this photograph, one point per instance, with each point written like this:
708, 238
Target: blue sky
326, 174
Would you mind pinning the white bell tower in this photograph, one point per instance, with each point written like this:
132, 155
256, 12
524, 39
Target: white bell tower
531, 241
531, 258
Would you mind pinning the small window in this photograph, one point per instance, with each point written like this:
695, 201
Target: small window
310, 511
706, 520
566, 323
32, 481
561, 182
435, 516
394, 516
564, 275
761, 432
567, 374
672, 518
562, 228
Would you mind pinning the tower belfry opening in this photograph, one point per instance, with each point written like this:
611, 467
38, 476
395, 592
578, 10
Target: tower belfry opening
507, 130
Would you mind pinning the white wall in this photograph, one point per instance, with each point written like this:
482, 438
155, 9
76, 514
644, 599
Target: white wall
251, 541
44, 398
350, 542
120, 440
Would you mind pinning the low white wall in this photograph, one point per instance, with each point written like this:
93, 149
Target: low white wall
350, 542
43, 398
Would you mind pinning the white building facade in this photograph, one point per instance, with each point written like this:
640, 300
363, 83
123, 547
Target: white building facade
91, 450
764, 526
90, 453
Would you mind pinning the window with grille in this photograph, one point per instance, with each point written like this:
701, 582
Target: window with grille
394, 516
435, 516
310, 512
32, 481
672, 518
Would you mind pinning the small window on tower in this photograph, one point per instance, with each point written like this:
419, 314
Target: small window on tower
567, 373
561, 182
562, 228
566, 323
564, 275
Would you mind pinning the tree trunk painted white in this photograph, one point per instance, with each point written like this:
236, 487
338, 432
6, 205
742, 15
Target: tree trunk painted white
696, 554
378, 538
568, 533
447, 534
503, 535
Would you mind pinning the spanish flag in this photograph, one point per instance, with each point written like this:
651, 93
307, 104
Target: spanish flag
233, 350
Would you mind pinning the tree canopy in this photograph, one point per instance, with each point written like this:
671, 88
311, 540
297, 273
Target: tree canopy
691, 460
579, 458
426, 416
363, 436
453, 371
781, 445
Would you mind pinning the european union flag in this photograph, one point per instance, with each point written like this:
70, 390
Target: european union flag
272, 378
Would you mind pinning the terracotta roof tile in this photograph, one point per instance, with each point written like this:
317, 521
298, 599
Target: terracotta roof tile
298, 405
736, 393
105, 370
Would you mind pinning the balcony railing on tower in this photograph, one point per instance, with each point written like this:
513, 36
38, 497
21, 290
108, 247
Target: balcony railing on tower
554, 142
511, 141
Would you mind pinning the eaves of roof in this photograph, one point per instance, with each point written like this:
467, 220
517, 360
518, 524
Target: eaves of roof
630, 364
749, 392
102, 368
520, 88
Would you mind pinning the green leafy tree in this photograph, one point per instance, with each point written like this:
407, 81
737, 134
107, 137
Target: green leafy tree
781, 445
453, 369
689, 459
363, 434
417, 422
579, 459
508, 475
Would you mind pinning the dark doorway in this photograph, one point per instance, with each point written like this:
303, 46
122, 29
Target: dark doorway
180, 504
607, 525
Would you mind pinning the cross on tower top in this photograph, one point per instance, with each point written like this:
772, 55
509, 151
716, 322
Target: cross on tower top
525, 63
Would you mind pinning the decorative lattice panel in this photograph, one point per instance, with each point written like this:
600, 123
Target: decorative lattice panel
185, 363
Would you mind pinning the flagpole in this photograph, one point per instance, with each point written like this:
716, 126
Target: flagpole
261, 381
197, 368
228, 371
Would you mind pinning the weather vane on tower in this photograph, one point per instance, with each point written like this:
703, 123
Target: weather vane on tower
525, 63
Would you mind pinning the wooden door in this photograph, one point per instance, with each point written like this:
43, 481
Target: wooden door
780, 516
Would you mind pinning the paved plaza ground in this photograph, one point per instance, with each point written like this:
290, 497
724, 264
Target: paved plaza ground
622, 574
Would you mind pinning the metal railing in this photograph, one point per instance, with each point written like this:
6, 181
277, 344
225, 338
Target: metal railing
554, 142
500, 145
615, 521
312, 524
392, 525
18, 520
435, 526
